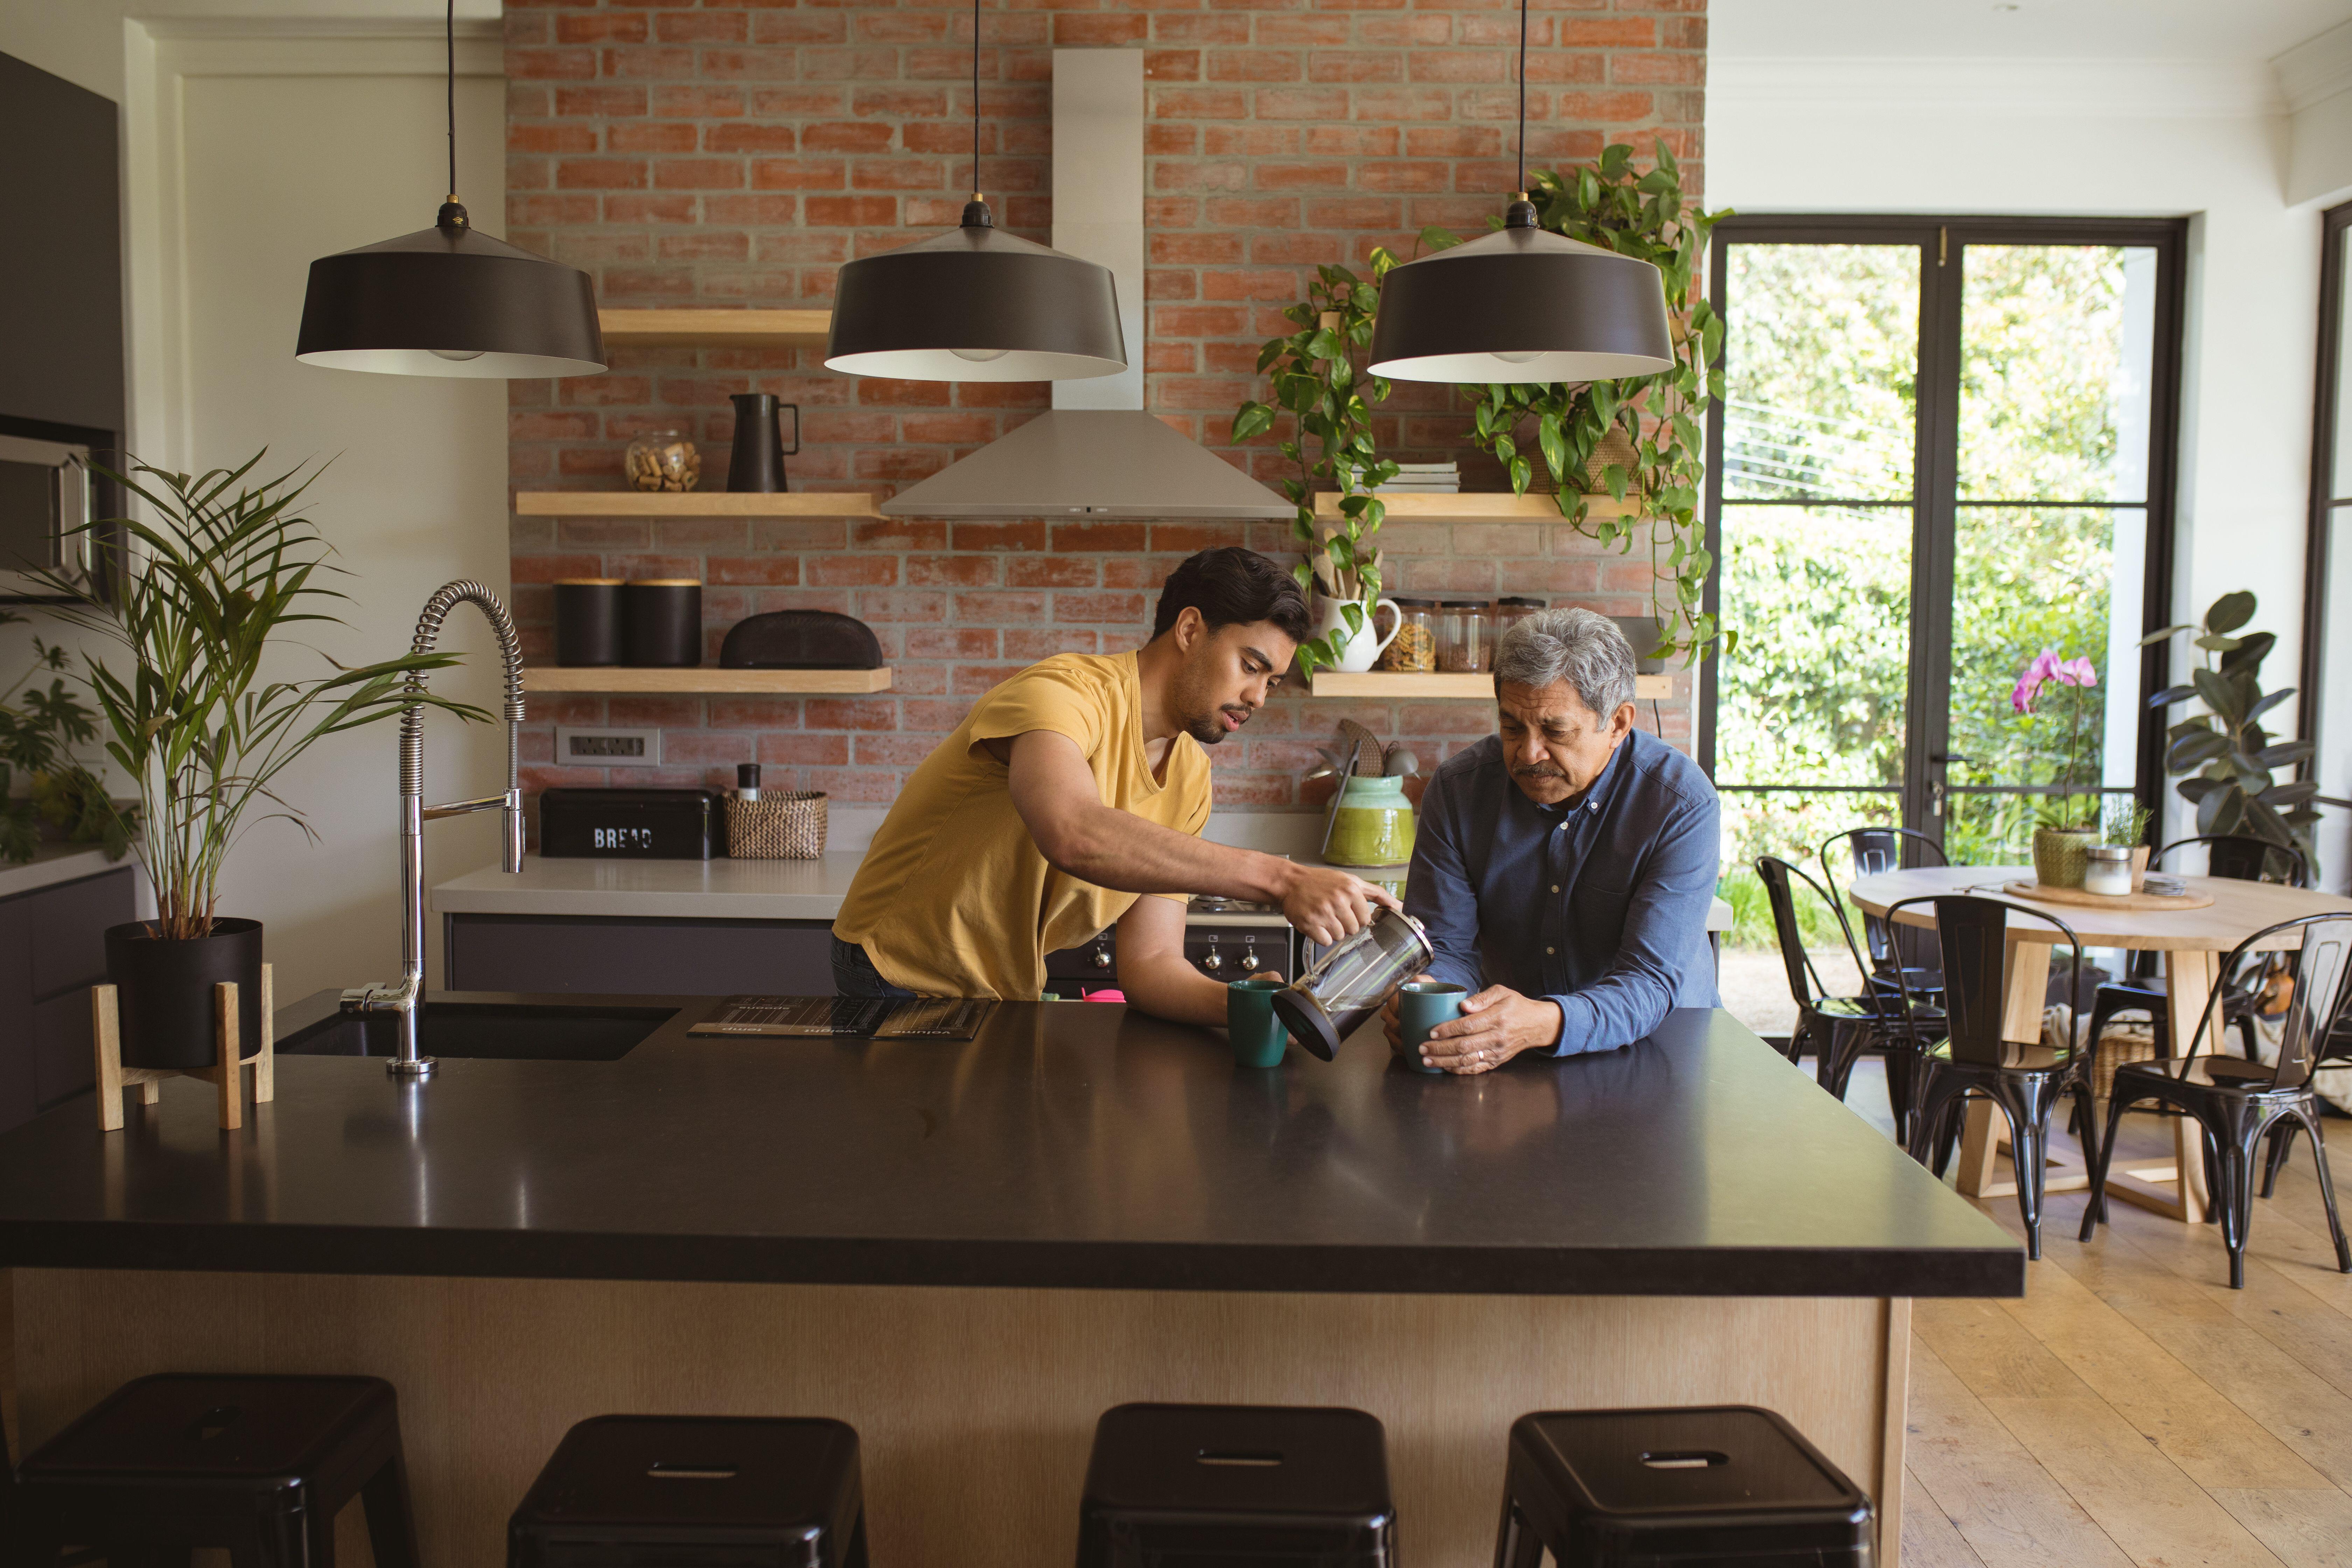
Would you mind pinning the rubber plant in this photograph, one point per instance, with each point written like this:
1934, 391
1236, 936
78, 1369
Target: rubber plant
2230, 756
1638, 213
1315, 380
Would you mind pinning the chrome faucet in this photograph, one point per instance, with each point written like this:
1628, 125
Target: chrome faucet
404, 997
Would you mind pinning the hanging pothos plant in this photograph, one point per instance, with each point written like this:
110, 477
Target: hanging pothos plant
1609, 203
1315, 379
1641, 214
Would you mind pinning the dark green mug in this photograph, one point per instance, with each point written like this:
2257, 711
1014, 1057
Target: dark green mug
1259, 1038
1421, 1006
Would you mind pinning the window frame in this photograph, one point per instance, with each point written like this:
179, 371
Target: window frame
1935, 502
2334, 225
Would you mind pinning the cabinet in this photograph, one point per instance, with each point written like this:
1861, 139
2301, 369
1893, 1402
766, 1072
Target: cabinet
609, 953
52, 949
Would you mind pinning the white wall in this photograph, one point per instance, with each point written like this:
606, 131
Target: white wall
2088, 137
252, 148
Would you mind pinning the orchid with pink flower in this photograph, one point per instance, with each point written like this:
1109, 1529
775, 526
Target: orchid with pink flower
2047, 669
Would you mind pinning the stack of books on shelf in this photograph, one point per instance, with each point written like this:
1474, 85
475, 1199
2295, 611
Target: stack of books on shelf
1422, 478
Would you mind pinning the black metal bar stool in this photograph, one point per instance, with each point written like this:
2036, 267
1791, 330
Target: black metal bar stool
1676, 1488
260, 1465
1262, 1485
695, 1491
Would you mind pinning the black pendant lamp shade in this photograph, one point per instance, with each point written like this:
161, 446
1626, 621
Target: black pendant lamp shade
975, 304
448, 300
1522, 304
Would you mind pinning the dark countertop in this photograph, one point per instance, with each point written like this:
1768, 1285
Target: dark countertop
1073, 1144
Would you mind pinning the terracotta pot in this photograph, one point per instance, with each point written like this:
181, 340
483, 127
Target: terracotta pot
2061, 855
163, 991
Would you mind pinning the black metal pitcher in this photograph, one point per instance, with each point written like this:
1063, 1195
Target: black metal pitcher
757, 463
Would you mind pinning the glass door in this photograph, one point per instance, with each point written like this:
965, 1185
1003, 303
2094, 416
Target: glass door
1945, 448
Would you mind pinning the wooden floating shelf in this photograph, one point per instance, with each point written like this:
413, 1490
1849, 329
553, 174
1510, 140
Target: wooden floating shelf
708, 679
719, 329
692, 503
1442, 688
1480, 507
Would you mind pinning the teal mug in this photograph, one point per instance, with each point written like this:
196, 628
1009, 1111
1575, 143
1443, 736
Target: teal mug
1421, 1006
1259, 1038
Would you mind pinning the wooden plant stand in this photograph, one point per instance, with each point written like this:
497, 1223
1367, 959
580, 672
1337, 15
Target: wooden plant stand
226, 1076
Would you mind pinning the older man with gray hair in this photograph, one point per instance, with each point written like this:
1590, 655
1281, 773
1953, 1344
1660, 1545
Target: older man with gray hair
1565, 866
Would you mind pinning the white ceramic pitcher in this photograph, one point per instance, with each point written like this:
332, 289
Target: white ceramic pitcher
1357, 653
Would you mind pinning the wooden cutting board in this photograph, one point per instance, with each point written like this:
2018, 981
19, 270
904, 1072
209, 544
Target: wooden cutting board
2040, 894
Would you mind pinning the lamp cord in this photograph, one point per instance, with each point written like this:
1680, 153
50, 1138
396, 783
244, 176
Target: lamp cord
449, 37
1523, 96
975, 100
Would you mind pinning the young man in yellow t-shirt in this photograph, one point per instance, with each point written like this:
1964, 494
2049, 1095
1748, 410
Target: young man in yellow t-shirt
1072, 788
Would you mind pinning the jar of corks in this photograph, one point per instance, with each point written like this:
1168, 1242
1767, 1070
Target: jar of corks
662, 460
1414, 649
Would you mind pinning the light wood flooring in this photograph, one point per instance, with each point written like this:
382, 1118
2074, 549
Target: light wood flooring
2132, 1409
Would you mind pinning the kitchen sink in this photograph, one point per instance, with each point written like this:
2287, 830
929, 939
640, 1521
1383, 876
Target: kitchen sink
528, 1031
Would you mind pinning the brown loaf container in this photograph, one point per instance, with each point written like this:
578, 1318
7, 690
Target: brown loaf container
778, 827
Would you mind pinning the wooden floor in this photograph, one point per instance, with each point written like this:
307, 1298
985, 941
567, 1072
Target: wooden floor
2132, 1409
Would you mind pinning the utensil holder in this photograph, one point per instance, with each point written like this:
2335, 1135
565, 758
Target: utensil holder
777, 826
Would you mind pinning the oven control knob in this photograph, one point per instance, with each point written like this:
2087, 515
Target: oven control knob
1214, 961
1102, 958
1249, 958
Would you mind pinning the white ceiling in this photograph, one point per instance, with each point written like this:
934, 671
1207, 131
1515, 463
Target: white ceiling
2211, 31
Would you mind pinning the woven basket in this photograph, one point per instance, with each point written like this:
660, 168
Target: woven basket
780, 827
1614, 448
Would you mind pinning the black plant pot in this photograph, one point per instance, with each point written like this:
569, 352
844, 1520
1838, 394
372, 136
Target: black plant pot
163, 991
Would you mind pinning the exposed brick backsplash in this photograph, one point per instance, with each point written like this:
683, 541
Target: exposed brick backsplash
735, 153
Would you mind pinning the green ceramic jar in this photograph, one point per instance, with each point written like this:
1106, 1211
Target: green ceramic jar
1374, 825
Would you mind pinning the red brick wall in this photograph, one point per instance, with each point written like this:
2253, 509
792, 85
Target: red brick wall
735, 153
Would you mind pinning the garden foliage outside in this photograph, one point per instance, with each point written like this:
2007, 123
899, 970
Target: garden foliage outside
1820, 407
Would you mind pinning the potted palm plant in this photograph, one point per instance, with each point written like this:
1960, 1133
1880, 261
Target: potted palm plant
2067, 826
176, 664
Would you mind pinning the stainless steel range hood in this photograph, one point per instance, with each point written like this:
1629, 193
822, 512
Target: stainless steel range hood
1097, 453
1090, 462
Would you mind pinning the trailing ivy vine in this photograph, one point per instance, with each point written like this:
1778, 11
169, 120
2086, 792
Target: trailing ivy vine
1315, 380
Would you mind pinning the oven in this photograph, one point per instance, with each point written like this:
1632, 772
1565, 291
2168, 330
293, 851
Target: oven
1225, 940
45, 510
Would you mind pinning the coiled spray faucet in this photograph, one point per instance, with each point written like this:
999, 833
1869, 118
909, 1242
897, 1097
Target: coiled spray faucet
402, 998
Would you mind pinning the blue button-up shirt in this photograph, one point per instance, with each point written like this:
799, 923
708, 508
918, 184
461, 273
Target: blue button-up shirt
1599, 904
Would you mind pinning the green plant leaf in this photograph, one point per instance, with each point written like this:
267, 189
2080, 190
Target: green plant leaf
2230, 612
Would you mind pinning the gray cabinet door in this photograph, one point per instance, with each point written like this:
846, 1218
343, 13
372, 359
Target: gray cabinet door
655, 957
18, 1099
62, 1065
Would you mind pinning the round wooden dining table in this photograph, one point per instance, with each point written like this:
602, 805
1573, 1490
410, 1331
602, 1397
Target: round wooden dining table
2192, 942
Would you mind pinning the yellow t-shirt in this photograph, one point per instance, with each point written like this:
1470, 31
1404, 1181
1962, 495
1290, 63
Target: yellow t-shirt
953, 897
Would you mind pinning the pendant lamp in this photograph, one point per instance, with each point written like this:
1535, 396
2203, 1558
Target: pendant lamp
1522, 304
447, 300
975, 303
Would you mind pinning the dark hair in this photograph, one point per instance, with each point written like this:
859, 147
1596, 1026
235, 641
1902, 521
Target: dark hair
1233, 587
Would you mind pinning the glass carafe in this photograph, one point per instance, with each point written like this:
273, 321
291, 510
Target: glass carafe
1326, 1003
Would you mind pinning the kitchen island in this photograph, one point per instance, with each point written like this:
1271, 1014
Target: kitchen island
968, 1250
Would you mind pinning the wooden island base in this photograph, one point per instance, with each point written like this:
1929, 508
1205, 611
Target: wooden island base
975, 1407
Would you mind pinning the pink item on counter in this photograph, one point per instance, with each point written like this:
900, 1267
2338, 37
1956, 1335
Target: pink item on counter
1106, 995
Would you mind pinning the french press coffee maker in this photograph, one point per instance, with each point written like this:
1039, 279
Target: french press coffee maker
1325, 1005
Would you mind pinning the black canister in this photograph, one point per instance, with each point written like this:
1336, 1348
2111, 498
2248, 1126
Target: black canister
661, 621
757, 462
587, 620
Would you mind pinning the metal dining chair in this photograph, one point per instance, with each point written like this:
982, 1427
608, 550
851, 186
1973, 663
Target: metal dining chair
1973, 1059
1874, 851
2241, 857
2238, 1103
1839, 1029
